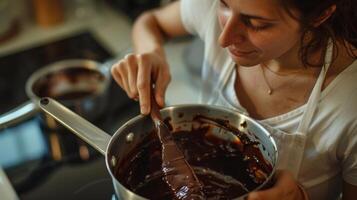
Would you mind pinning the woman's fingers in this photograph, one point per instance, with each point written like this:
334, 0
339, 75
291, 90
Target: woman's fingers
119, 74
285, 188
123, 73
134, 74
144, 83
132, 69
116, 75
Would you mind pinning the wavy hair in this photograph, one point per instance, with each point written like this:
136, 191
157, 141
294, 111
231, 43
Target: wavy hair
340, 26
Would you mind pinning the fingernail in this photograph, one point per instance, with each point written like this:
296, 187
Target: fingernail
144, 110
161, 101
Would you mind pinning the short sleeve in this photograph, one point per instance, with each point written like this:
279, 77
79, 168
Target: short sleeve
349, 161
194, 15
347, 147
348, 144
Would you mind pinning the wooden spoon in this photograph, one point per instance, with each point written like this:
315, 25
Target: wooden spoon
178, 173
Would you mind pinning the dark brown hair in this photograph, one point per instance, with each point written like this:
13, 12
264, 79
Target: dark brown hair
340, 26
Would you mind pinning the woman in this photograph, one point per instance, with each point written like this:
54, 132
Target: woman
289, 64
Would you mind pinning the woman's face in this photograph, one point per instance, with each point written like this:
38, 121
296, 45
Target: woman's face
255, 31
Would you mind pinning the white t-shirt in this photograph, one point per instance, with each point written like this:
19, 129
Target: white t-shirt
331, 150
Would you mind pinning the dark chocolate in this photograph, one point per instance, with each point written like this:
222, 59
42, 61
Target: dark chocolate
225, 170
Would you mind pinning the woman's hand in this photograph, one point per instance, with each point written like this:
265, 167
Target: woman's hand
135, 74
285, 188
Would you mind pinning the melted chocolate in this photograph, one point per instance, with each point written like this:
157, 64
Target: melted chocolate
48, 86
178, 174
225, 170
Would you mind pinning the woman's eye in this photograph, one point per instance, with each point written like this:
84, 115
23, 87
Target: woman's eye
223, 4
256, 25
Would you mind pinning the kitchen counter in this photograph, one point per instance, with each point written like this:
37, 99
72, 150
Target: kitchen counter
112, 29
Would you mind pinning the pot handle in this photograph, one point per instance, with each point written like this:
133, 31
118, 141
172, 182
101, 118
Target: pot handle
18, 114
91, 134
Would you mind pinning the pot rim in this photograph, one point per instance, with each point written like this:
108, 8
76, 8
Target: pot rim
30, 107
205, 106
64, 64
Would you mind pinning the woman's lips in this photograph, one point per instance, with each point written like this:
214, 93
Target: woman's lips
239, 53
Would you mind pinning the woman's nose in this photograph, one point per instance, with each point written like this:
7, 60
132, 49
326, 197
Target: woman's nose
233, 32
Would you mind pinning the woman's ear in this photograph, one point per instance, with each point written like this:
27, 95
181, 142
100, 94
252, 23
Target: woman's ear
325, 15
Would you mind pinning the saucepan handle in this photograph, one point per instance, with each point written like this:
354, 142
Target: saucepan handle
18, 114
91, 134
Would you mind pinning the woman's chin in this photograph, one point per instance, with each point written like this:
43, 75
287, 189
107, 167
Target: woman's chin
247, 61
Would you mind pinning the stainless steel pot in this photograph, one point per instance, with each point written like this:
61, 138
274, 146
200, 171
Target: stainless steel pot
128, 136
86, 77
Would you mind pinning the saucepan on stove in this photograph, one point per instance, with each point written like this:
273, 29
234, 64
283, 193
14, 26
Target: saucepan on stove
80, 84
230, 153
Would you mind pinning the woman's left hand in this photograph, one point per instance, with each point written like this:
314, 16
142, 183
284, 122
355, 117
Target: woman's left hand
286, 187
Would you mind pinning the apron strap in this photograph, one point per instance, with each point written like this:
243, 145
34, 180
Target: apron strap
315, 94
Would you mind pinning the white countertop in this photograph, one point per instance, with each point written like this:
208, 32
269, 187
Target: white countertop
113, 30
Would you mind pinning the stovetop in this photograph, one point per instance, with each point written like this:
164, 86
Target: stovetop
43, 163
16, 68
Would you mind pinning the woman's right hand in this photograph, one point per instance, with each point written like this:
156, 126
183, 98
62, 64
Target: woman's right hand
136, 73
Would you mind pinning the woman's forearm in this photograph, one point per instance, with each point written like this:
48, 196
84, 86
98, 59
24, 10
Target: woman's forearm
147, 34
153, 27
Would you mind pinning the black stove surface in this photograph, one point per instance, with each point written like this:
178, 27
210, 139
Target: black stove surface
16, 68
44, 163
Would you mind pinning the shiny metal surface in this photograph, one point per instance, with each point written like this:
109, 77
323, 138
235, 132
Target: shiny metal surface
95, 102
19, 114
78, 125
181, 117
